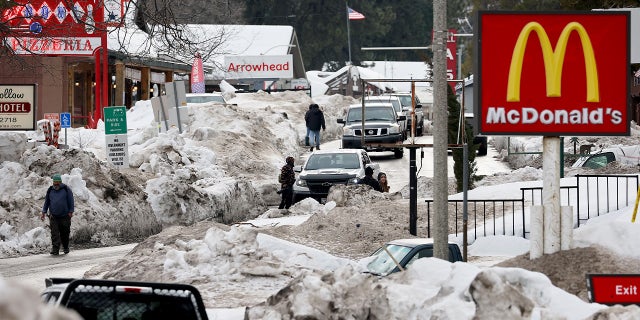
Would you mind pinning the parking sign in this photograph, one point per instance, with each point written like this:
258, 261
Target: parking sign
65, 120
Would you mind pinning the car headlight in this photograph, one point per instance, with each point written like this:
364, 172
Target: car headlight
394, 129
353, 180
348, 132
301, 183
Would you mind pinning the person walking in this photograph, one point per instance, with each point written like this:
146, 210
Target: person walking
286, 178
369, 179
306, 120
382, 180
315, 121
59, 206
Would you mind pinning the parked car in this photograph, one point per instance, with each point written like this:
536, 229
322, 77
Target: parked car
405, 99
325, 168
404, 253
626, 155
381, 127
198, 98
113, 299
397, 106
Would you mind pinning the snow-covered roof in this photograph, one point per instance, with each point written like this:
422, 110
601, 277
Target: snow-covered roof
213, 42
400, 70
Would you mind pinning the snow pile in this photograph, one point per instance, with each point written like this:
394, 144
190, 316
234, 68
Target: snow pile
205, 172
437, 289
230, 266
20, 303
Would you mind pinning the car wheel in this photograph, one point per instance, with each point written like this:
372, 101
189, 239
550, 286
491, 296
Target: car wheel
420, 129
398, 153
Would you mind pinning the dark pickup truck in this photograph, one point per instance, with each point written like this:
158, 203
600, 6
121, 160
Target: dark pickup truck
397, 255
113, 299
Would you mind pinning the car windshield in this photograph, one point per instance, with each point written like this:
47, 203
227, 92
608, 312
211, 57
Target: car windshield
382, 264
205, 99
395, 102
406, 101
371, 114
333, 161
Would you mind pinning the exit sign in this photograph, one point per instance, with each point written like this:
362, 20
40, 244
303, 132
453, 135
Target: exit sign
613, 289
115, 120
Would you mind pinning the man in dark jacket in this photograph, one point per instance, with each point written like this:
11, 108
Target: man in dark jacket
60, 205
369, 179
286, 178
314, 119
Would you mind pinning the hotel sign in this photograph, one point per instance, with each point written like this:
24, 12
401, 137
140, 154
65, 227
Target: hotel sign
553, 74
17, 107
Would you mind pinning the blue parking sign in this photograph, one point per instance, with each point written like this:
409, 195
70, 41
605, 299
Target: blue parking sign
65, 120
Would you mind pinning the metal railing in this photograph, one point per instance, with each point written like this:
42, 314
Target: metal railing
611, 186
498, 216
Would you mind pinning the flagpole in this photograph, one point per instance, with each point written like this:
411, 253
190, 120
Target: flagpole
348, 31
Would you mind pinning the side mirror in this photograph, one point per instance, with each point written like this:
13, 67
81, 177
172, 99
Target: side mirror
297, 168
340, 120
402, 118
418, 106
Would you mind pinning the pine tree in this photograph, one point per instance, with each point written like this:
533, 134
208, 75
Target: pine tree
453, 134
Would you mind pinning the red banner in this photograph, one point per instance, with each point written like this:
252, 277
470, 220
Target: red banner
197, 75
452, 59
553, 74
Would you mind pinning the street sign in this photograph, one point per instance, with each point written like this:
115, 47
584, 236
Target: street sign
117, 150
65, 120
52, 117
115, 120
613, 289
17, 107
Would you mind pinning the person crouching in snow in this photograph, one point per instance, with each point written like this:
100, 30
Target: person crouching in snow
286, 179
382, 180
58, 202
369, 179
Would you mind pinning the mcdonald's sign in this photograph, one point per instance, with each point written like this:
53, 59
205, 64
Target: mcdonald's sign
552, 74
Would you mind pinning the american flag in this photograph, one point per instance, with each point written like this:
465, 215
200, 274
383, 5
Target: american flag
637, 74
354, 15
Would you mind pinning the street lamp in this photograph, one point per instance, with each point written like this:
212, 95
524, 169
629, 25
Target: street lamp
280, 45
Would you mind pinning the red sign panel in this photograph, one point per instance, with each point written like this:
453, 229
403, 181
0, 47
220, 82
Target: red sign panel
553, 74
54, 27
614, 288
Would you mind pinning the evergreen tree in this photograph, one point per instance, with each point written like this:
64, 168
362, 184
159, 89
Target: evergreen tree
454, 136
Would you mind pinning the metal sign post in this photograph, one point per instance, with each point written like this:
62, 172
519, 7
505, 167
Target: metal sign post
65, 122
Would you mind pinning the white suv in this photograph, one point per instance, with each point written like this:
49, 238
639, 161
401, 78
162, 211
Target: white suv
325, 168
405, 99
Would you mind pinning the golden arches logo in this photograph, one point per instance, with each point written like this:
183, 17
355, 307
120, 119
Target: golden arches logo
553, 61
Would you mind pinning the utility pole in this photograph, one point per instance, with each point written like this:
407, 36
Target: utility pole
440, 172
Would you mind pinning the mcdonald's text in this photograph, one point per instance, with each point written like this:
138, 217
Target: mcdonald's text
597, 116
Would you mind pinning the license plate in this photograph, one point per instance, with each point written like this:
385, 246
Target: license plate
323, 200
